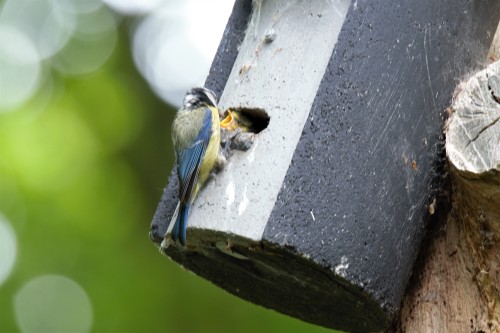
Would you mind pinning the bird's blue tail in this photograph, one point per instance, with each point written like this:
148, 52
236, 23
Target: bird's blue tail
179, 230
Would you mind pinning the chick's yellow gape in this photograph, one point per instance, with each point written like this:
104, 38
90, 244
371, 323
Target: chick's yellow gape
196, 138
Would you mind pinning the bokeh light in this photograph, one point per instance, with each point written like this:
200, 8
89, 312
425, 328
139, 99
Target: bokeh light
8, 249
91, 44
175, 45
75, 37
49, 24
134, 6
19, 67
81, 7
53, 303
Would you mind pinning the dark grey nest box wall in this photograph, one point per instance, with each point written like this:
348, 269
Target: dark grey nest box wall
342, 231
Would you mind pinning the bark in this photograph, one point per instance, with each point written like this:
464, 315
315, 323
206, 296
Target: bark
456, 283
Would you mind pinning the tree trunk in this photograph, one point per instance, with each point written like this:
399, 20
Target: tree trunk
456, 283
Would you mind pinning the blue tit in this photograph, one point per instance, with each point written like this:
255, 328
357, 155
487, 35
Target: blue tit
196, 138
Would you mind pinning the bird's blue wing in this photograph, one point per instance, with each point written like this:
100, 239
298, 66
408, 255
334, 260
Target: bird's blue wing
189, 159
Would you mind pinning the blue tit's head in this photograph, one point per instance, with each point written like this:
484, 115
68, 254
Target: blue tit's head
199, 97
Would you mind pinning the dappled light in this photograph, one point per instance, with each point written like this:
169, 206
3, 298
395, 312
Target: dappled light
53, 303
8, 249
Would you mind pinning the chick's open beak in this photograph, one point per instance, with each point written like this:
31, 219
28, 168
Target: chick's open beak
229, 122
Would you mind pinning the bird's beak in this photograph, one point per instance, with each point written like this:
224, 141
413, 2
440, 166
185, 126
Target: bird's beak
229, 122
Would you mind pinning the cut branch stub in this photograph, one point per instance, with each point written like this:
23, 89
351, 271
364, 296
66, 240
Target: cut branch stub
473, 137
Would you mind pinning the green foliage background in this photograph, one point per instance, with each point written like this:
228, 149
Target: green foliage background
82, 170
